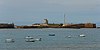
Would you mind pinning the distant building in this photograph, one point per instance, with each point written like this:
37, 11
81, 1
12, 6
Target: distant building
36, 25
43, 24
45, 21
82, 25
6, 25
90, 25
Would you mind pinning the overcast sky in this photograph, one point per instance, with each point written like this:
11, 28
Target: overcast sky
34, 11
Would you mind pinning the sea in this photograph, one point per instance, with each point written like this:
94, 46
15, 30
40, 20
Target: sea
61, 40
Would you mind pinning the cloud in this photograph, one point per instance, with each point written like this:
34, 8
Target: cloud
41, 8
1, 2
50, 5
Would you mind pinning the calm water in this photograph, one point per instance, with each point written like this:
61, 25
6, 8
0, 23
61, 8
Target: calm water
58, 42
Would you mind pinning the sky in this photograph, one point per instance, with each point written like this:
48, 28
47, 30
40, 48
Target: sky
27, 12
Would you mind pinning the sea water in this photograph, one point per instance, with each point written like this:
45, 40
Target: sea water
60, 41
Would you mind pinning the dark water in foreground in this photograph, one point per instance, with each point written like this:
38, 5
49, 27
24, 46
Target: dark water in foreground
57, 42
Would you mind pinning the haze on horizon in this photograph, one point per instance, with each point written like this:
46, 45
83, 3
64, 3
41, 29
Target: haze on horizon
23, 12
